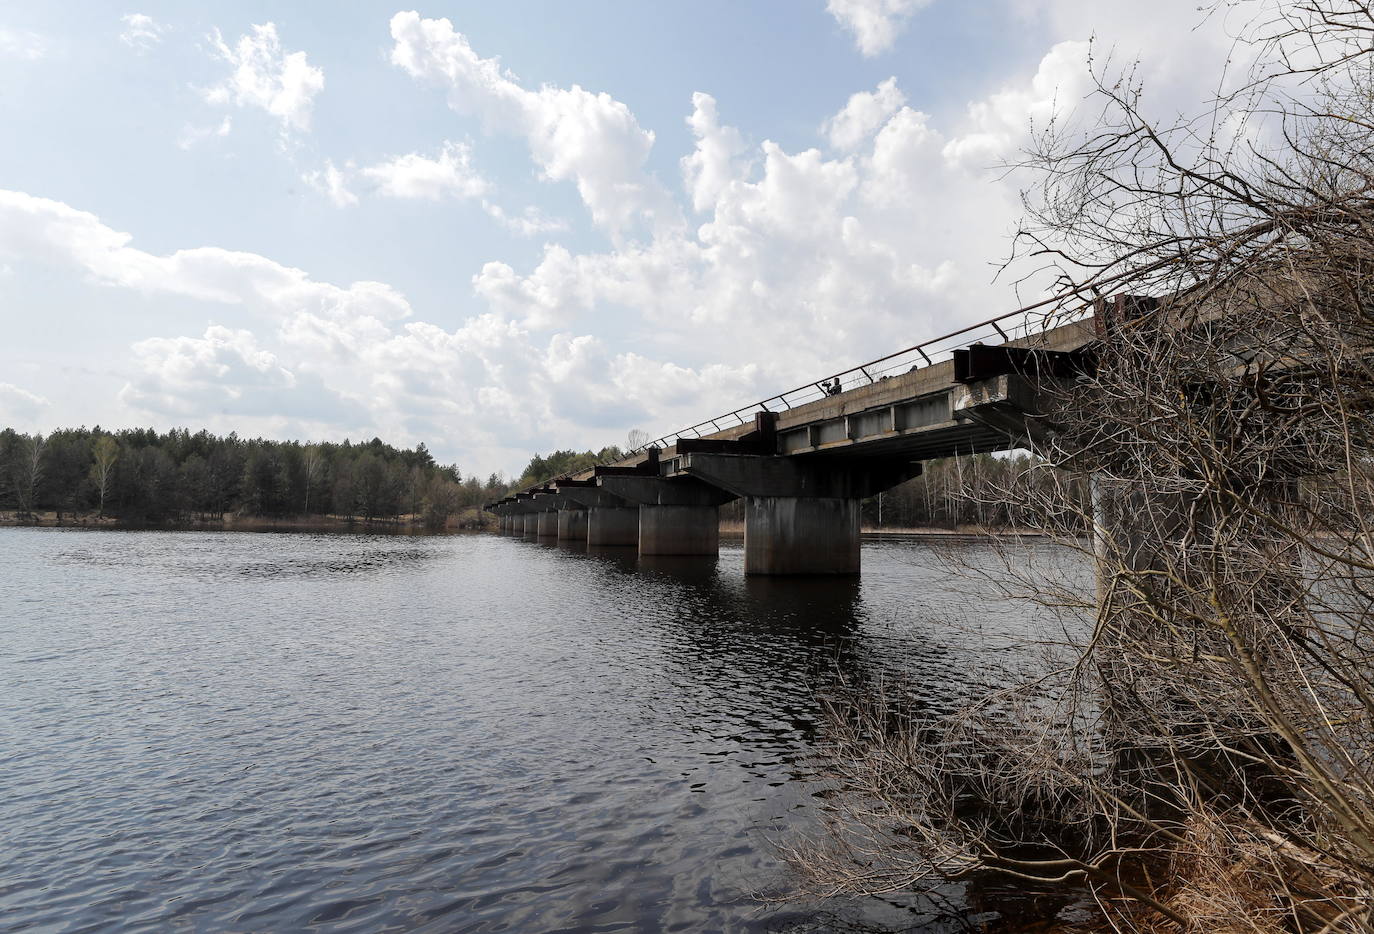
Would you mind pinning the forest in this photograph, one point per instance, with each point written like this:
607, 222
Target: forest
141, 476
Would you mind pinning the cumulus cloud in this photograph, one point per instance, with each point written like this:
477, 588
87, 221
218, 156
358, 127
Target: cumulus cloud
718, 157
592, 140
141, 31
865, 112
309, 356
38, 229
449, 175
264, 75
875, 24
21, 45
186, 376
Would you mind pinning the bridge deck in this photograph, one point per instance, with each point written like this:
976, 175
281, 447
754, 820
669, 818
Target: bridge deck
915, 414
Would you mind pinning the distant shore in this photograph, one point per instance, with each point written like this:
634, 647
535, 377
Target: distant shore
469, 520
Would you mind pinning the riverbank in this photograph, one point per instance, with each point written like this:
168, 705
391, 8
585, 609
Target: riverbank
735, 529
464, 520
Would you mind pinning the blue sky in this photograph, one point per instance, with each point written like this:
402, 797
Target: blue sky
504, 228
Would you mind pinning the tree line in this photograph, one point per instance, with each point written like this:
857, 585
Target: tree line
546, 467
139, 475
981, 490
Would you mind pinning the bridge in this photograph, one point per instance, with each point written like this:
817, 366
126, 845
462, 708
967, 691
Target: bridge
804, 460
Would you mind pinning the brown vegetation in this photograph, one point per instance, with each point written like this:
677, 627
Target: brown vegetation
1197, 750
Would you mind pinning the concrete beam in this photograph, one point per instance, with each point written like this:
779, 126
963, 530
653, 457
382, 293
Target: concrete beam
591, 496
830, 478
666, 491
1008, 403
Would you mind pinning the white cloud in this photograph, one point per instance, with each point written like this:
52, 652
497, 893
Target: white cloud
875, 24
192, 135
865, 112
19, 406
329, 361
529, 223
38, 229
573, 135
225, 368
1001, 123
449, 175
718, 157
264, 75
21, 45
333, 182
141, 31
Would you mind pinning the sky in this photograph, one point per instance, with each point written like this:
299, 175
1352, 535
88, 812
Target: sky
504, 229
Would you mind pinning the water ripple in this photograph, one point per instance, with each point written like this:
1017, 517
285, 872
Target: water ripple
239, 732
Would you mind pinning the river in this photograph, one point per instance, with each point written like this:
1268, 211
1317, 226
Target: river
246, 732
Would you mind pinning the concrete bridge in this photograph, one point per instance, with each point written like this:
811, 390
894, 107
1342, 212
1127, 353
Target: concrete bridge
804, 460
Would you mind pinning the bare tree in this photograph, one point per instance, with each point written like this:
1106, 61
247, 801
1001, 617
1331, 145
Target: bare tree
311, 465
1199, 751
106, 452
28, 473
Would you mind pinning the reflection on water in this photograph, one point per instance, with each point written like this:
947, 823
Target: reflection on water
476, 733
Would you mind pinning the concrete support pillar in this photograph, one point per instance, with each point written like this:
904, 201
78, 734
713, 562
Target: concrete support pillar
572, 525
677, 516
613, 525
546, 524
531, 525
801, 535
801, 516
679, 530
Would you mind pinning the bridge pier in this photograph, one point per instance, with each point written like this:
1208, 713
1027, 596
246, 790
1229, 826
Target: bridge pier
610, 520
679, 530
547, 524
613, 525
531, 526
801, 517
678, 516
572, 525
801, 535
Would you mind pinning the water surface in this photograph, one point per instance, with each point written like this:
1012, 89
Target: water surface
245, 732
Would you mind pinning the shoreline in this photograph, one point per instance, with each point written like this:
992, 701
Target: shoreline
466, 522
331, 524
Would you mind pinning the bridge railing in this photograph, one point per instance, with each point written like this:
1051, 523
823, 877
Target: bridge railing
1022, 323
